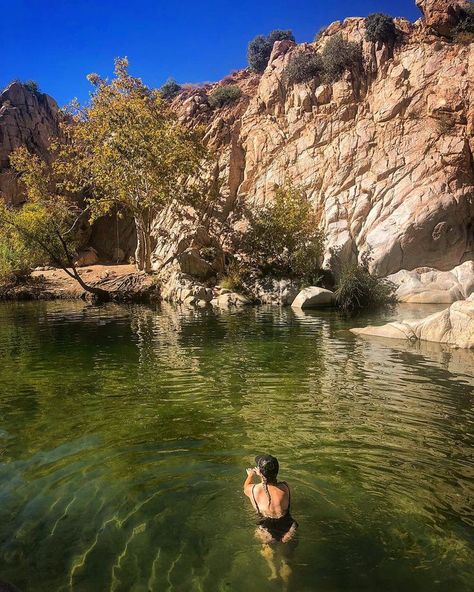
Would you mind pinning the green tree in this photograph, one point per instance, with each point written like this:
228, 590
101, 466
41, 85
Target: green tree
45, 228
127, 150
17, 258
379, 27
284, 237
260, 48
170, 89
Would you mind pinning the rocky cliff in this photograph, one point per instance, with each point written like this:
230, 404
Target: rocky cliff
385, 154
27, 118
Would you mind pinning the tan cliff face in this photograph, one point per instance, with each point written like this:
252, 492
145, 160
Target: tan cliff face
385, 155
27, 118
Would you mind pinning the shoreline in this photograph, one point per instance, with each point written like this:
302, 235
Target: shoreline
124, 283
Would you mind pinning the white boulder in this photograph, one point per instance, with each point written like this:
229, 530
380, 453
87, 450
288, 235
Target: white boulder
314, 297
429, 286
453, 326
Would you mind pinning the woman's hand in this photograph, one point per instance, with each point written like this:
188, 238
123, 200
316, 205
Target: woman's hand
251, 471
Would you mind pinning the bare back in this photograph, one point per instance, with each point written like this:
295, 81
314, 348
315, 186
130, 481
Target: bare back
279, 503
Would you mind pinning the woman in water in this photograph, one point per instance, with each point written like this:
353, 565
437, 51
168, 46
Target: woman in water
271, 500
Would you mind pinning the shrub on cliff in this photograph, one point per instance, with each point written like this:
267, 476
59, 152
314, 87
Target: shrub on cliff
464, 30
32, 86
223, 95
284, 238
379, 27
260, 48
303, 67
340, 55
169, 89
358, 289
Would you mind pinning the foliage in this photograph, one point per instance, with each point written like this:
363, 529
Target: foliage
170, 89
260, 48
16, 259
224, 94
379, 27
280, 35
32, 85
44, 229
303, 67
338, 56
258, 53
464, 30
128, 151
358, 289
284, 237
234, 277
28, 238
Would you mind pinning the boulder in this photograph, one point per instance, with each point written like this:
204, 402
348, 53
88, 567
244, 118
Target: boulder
180, 288
314, 297
273, 291
429, 286
87, 257
230, 299
453, 326
193, 264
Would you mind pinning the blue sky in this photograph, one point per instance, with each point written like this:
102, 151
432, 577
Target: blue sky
58, 42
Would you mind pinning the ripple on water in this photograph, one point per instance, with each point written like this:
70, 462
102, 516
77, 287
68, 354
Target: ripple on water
125, 431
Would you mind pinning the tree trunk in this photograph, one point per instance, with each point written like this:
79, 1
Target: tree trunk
98, 293
144, 248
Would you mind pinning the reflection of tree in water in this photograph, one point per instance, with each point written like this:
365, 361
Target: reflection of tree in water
128, 429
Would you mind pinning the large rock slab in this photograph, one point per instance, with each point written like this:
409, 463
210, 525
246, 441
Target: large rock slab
314, 297
426, 285
453, 326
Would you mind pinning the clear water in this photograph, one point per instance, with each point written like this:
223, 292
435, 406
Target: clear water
125, 433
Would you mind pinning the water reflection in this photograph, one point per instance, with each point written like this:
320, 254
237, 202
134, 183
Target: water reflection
126, 430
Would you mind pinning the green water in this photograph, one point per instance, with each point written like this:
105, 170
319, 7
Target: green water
125, 433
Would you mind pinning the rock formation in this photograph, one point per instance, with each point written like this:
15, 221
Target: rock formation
425, 285
27, 118
440, 16
313, 297
453, 326
385, 154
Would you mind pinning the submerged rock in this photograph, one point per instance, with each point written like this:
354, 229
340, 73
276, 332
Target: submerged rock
453, 326
314, 297
230, 299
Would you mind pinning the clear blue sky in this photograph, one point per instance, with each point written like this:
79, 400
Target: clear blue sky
58, 42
